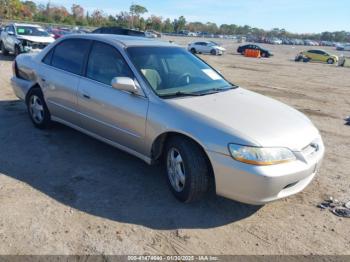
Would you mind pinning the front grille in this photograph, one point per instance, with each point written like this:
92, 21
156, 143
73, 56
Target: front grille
290, 185
38, 46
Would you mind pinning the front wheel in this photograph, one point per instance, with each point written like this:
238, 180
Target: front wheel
330, 61
193, 50
17, 50
213, 52
187, 169
37, 109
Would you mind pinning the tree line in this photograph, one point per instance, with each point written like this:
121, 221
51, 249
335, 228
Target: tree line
133, 18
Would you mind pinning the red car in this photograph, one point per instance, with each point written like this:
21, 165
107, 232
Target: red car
57, 33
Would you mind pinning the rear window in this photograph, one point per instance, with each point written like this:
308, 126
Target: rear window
69, 55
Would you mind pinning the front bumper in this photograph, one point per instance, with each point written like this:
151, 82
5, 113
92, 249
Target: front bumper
31, 47
259, 185
220, 52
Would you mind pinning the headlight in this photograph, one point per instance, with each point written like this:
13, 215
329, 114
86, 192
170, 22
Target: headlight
261, 156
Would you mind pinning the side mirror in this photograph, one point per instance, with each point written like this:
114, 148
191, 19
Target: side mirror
125, 84
10, 33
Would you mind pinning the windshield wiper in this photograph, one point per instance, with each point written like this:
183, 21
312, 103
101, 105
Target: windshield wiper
218, 89
179, 93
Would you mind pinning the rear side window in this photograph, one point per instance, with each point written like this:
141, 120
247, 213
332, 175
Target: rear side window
105, 63
69, 55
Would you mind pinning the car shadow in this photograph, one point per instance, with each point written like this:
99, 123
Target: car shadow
98, 179
8, 57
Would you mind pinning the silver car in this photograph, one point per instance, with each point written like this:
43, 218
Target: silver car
24, 38
159, 102
206, 47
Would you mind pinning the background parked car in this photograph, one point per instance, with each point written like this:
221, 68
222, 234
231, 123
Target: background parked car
153, 33
150, 34
275, 41
206, 47
57, 33
310, 43
317, 56
263, 52
22, 38
118, 31
345, 47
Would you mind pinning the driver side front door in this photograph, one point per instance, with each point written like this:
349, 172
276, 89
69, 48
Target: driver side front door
111, 114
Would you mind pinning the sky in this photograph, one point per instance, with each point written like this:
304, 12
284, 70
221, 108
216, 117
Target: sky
299, 16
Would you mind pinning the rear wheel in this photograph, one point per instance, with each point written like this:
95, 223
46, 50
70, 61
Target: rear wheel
187, 169
37, 109
330, 61
3, 49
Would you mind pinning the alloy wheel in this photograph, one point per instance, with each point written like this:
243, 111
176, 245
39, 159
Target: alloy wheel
176, 170
36, 109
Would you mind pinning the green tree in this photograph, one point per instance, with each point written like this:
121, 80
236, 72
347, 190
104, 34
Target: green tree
179, 24
168, 26
136, 11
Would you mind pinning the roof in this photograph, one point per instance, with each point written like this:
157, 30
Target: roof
123, 40
20, 24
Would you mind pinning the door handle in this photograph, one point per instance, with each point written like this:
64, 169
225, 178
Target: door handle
86, 96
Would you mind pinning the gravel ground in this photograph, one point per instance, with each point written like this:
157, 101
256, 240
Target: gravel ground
62, 192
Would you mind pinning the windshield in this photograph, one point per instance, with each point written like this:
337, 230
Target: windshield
31, 30
171, 70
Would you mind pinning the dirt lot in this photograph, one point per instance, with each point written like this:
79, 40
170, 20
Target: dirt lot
62, 192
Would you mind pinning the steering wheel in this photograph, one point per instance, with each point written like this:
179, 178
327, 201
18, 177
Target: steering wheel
184, 77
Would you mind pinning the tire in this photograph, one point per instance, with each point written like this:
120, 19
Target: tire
213, 52
263, 54
193, 50
17, 51
330, 61
3, 49
37, 109
185, 156
306, 59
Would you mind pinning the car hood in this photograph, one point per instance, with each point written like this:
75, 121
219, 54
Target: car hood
260, 119
37, 39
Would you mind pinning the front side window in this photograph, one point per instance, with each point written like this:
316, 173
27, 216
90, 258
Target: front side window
31, 31
105, 63
69, 55
10, 29
47, 59
171, 70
